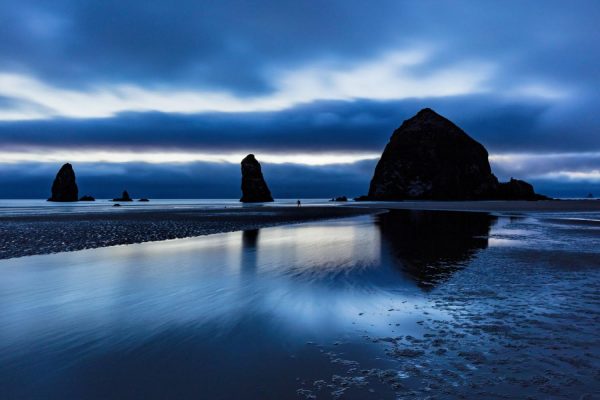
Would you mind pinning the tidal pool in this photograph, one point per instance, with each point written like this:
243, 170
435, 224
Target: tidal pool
406, 304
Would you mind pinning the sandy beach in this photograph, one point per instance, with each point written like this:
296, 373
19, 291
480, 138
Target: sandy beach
26, 235
402, 304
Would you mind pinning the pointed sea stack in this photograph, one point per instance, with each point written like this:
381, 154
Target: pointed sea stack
124, 197
430, 158
254, 187
64, 187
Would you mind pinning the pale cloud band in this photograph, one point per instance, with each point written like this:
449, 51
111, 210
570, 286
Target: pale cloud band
576, 167
392, 76
155, 157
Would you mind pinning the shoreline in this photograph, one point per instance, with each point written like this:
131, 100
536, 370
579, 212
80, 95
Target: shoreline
34, 234
490, 206
27, 235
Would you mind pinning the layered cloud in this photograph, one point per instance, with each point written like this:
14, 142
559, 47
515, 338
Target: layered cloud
309, 85
391, 76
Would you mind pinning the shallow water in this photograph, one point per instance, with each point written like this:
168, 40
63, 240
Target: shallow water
14, 207
407, 304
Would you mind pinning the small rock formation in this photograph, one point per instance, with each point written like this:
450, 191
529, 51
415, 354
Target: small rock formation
516, 189
116, 205
87, 197
124, 197
340, 198
254, 187
64, 187
143, 199
431, 158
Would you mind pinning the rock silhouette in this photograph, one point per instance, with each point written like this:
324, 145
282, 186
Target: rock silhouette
516, 189
254, 187
124, 197
340, 198
64, 187
431, 158
87, 197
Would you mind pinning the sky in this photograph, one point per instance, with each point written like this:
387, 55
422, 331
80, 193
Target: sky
164, 98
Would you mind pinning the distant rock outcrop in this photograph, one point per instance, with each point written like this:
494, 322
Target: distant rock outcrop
124, 197
431, 158
254, 187
143, 199
516, 189
340, 198
87, 197
64, 187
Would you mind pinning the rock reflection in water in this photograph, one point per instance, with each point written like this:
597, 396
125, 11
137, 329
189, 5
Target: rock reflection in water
249, 251
430, 245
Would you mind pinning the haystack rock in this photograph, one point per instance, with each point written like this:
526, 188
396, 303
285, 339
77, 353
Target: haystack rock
254, 187
64, 187
431, 158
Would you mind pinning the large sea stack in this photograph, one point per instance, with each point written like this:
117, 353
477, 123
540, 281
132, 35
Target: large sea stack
430, 158
254, 187
64, 187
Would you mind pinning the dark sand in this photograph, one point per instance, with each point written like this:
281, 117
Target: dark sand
43, 234
554, 206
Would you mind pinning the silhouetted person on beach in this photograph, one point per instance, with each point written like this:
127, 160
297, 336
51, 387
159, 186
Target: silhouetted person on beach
298, 203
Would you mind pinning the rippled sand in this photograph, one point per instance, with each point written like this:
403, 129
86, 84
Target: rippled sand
519, 321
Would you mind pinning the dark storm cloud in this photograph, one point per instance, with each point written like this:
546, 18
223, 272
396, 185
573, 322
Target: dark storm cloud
193, 180
214, 180
235, 44
359, 126
207, 43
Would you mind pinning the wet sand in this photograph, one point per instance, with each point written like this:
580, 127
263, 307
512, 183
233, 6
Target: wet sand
43, 234
553, 206
23, 235
402, 305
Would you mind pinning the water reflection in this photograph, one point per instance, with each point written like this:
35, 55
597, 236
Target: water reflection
183, 318
430, 245
249, 252
250, 238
